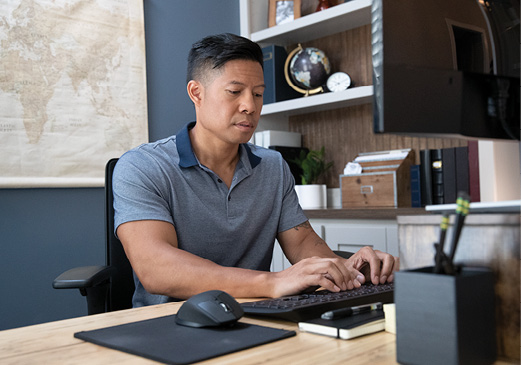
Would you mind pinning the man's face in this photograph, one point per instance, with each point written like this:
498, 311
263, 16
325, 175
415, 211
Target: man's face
231, 101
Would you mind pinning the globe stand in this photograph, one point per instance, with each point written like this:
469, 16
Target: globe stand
306, 92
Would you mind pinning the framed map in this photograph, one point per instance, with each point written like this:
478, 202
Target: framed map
72, 89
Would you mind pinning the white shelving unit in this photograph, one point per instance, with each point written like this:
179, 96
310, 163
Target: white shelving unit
337, 19
254, 22
318, 102
349, 15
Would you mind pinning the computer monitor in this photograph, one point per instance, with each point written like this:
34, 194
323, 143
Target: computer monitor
446, 68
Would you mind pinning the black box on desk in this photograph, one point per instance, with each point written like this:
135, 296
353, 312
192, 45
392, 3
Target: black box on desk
445, 319
289, 154
277, 88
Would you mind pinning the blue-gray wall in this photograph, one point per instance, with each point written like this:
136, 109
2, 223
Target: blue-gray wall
44, 232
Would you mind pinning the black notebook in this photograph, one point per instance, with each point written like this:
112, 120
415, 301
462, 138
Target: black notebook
163, 340
347, 327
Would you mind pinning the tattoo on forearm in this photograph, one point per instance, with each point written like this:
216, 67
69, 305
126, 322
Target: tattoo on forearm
306, 225
303, 225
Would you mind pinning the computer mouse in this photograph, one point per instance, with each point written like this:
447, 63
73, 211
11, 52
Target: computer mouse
211, 308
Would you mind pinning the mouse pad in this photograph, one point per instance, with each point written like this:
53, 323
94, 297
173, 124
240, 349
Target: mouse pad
163, 340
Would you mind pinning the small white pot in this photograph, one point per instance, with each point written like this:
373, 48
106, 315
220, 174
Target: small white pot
312, 196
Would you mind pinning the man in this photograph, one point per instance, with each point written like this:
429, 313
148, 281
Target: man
201, 210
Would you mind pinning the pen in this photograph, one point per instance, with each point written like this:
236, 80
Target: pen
439, 248
462, 210
350, 311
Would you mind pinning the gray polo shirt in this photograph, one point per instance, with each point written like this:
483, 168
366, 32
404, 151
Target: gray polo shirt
234, 226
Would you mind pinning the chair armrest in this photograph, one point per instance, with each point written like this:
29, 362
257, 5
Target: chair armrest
344, 254
82, 277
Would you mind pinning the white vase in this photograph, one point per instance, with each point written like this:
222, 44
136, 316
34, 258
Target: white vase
312, 196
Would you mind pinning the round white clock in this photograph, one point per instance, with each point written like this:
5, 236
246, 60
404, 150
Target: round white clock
339, 81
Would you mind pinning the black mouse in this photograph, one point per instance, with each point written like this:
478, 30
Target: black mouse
211, 308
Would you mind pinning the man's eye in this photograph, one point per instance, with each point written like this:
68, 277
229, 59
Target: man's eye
234, 92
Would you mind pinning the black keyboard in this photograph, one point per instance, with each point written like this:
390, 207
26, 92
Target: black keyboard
303, 307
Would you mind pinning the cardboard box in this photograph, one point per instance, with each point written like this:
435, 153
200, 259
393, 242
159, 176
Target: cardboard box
385, 180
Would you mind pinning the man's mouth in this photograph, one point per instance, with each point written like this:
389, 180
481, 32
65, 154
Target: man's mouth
244, 125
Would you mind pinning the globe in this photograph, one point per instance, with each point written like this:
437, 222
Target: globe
309, 68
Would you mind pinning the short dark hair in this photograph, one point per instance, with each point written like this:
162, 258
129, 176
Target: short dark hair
213, 52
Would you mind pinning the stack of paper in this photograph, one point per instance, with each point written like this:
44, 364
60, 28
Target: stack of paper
382, 156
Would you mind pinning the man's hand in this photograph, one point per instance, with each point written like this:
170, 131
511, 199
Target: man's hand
336, 274
374, 265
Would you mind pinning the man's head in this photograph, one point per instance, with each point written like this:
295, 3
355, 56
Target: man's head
213, 52
226, 85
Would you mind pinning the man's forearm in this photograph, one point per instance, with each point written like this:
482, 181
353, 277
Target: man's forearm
309, 243
184, 274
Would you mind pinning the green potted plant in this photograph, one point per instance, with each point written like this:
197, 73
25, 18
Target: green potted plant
311, 194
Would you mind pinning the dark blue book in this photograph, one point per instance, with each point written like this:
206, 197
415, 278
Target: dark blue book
416, 194
277, 88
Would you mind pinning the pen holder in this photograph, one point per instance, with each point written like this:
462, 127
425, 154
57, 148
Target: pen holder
445, 319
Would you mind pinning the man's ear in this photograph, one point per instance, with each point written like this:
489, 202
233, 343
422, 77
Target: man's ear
195, 90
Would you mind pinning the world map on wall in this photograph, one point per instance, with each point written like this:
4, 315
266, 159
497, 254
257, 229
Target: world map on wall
72, 89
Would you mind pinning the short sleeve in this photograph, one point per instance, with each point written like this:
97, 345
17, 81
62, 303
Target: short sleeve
138, 192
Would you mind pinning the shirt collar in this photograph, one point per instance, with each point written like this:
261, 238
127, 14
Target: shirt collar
186, 153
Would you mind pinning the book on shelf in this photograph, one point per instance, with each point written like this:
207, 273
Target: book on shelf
348, 327
416, 198
277, 88
450, 172
455, 161
437, 176
448, 161
474, 186
426, 177
462, 169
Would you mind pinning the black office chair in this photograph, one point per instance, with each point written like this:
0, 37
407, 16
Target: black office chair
110, 287
344, 254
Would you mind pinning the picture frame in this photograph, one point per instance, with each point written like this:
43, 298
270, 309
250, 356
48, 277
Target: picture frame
283, 11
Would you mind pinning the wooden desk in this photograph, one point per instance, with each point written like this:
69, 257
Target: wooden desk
53, 343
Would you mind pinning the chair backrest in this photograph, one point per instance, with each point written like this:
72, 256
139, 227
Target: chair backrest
121, 286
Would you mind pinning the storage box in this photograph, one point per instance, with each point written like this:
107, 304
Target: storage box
445, 319
385, 180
